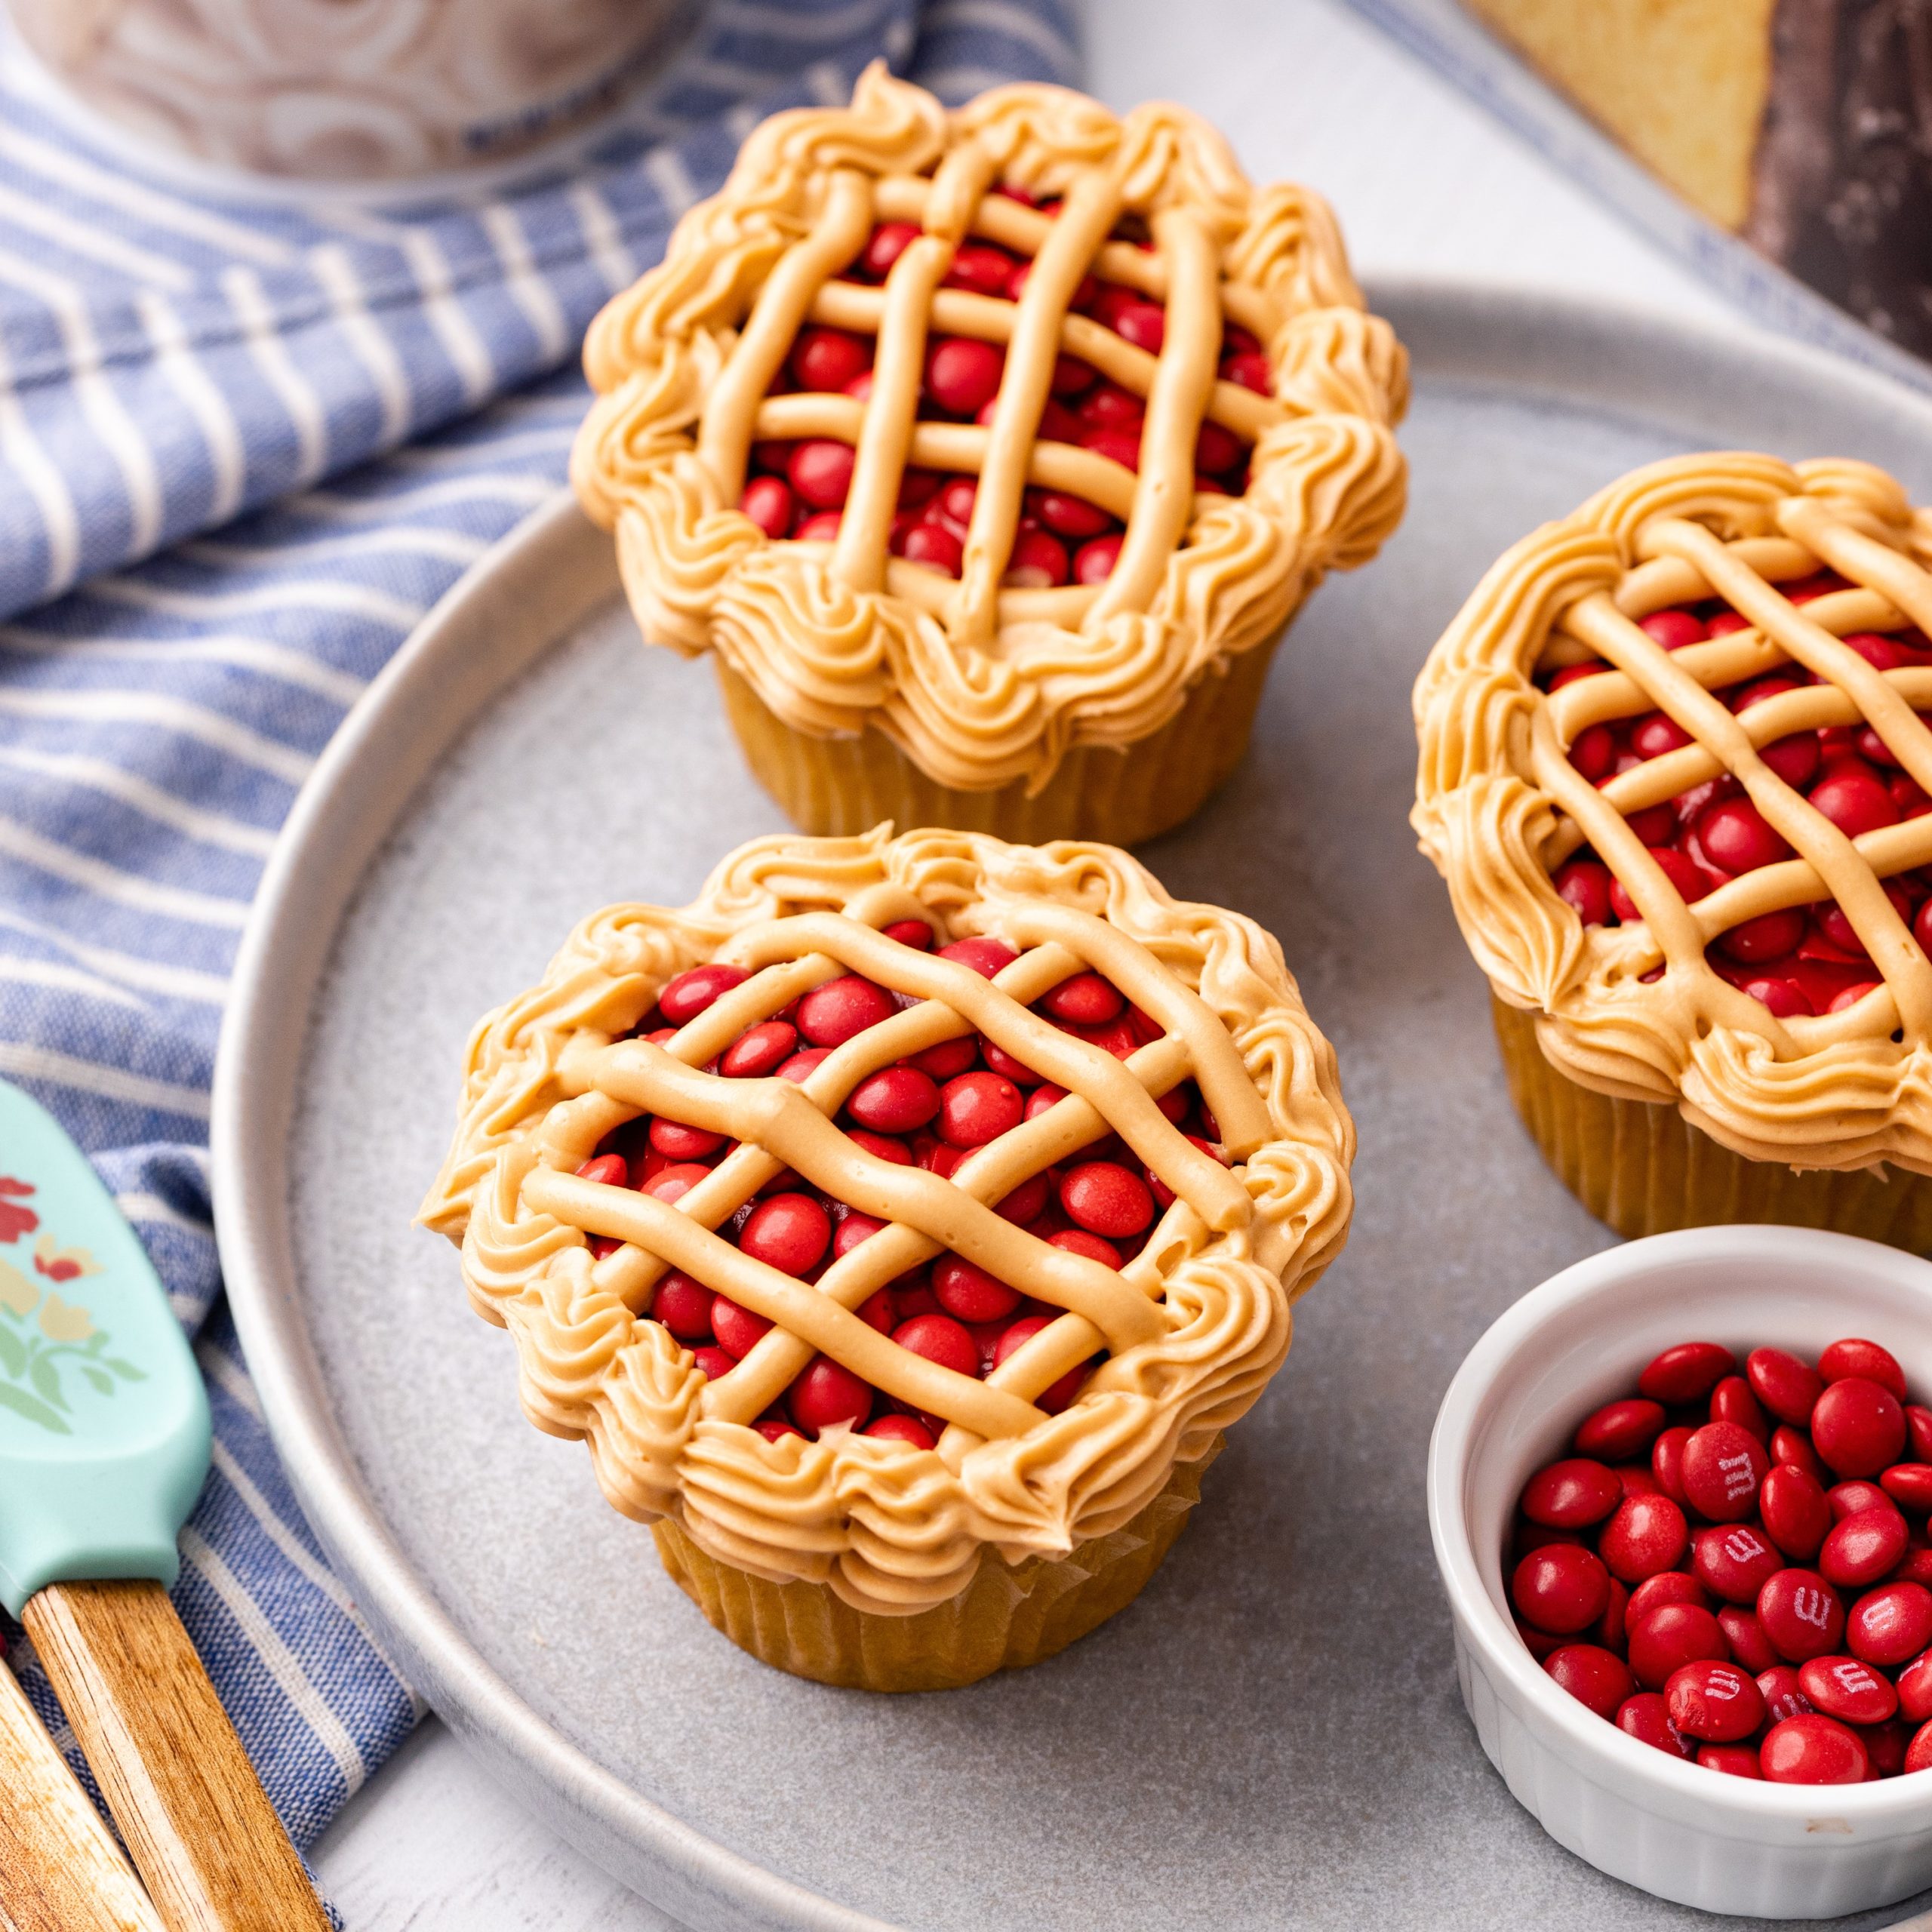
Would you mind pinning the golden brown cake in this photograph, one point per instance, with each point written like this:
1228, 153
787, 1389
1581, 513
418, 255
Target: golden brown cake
900, 1225
988, 452
1797, 124
1676, 771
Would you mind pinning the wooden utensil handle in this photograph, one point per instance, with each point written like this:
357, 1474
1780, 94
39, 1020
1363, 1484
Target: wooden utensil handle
195, 1817
61, 1870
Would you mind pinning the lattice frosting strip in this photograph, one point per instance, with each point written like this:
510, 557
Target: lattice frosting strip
981, 681
789, 1126
592, 1367
1501, 807
738, 1178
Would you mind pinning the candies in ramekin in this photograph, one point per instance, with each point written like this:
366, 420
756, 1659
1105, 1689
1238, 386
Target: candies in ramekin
1734, 1567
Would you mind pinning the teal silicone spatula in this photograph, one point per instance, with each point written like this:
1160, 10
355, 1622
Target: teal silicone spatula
104, 1446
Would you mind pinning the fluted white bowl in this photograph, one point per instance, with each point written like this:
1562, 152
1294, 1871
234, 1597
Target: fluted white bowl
1723, 1843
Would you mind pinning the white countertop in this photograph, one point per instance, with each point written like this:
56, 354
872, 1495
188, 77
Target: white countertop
1423, 181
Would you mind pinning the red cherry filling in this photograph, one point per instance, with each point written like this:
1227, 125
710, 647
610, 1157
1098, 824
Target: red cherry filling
796, 490
1795, 961
934, 1109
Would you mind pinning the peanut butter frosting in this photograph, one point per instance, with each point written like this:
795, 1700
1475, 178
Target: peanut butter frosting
1193, 1326
983, 685
1637, 1010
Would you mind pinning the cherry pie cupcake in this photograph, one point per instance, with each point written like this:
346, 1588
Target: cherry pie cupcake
989, 453
1676, 771
900, 1225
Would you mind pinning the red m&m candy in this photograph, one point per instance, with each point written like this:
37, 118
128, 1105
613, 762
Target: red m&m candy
827, 1394
1749, 1646
1734, 1562
975, 1108
789, 1231
1653, 1593
1786, 1386
1915, 1684
1087, 999
688, 995
902, 1428
1646, 1535
1866, 1360
1732, 1401
841, 1009
1594, 1676
1811, 1748
895, 1100
1890, 1624
1858, 1426
1687, 1373
1647, 1718
1671, 1636
1620, 1431
987, 956
1561, 1588
1848, 1498
1795, 1514
1714, 1702
969, 1293
1107, 1199
738, 1329
1794, 1446
684, 1306
1783, 1696
1909, 1485
1571, 1494
1667, 1461
1724, 1466
1848, 1689
1801, 1613
1864, 1547
759, 1051
940, 1339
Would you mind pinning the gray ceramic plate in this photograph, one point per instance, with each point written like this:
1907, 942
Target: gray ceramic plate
1271, 1736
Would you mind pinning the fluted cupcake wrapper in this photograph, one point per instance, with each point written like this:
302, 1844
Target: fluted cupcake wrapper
1010, 1615
837, 787
1642, 1167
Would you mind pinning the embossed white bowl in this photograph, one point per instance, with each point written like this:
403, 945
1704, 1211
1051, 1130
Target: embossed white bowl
1722, 1844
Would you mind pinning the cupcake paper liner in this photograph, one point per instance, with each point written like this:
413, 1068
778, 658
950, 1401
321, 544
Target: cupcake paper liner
1642, 1167
1008, 1616
839, 787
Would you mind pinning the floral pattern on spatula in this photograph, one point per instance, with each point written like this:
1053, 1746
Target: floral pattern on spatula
46, 1339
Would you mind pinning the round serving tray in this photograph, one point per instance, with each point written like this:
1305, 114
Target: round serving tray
1271, 1736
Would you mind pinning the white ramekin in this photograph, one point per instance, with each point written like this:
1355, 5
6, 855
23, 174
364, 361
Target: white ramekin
1722, 1844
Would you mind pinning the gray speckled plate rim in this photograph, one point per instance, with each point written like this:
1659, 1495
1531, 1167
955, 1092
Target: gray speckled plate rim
523, 596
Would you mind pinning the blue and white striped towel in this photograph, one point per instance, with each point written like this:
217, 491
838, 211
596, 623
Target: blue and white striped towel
168, 361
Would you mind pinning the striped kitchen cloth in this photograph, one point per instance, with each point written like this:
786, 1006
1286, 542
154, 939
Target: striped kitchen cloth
168, 361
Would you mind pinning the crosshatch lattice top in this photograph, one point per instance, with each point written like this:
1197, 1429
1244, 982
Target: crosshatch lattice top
777, 1125
1191, 1326
1554, 644
837, 630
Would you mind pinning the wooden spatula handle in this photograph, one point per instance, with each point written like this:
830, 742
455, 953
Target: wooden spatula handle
200, 1828
61, 1870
